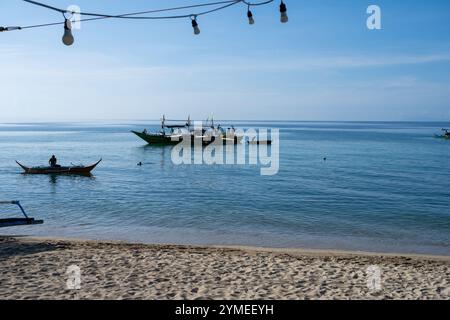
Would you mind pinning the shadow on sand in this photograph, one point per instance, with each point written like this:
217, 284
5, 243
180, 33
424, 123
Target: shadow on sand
19, 246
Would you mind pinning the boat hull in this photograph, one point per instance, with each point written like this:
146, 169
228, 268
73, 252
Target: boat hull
75, 170
268, 142
154, 139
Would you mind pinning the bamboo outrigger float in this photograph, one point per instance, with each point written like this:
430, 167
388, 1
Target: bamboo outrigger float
12, 222
76, 170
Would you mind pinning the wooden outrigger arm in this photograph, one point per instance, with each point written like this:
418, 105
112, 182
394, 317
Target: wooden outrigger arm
11, 222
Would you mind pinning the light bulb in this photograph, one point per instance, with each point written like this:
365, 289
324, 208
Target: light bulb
250, 17
67, 38
283, 10
195, 26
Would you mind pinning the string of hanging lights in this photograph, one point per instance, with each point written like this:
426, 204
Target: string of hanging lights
68, 38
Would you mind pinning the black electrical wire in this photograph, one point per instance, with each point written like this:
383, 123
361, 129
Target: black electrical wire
98, 16
131, 15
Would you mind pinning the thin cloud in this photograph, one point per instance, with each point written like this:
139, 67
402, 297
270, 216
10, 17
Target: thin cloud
94, 64
333, 62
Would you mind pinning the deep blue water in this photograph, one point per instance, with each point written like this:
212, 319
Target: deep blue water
384, 187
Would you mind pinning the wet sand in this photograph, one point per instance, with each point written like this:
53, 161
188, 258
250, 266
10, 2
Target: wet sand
35, 268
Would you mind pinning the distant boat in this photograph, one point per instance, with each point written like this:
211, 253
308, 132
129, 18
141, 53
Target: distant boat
162, 137
258, 142
75, 170
446, 134
209, 134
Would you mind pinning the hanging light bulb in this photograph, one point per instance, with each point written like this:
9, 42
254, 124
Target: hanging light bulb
67, 38
195, 26
283, 11
250, 17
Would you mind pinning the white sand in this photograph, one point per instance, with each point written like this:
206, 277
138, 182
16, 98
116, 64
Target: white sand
32, 268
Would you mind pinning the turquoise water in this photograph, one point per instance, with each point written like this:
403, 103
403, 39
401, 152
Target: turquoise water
384, 187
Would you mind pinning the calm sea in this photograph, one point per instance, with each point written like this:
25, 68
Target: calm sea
384, 187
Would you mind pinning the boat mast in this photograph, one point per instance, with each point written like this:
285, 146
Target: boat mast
163, 124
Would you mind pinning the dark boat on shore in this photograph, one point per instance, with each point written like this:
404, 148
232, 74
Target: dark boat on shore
76, 170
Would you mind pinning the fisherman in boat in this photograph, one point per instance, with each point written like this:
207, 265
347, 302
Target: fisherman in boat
53, 162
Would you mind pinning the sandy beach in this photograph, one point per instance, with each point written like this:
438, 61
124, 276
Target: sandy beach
33, 268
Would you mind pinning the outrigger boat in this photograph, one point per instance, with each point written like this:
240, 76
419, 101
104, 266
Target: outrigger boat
209, 134
162, 137
446, 134
75, 170
12, 222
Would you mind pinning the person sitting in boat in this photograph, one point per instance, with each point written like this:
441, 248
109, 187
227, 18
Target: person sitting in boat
53, 162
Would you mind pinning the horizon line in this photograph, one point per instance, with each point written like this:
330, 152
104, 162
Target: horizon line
226, 120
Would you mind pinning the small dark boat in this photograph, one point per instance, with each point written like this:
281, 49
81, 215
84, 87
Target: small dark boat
77, 170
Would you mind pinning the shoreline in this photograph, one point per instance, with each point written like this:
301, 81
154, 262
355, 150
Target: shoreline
36, 268
275, 250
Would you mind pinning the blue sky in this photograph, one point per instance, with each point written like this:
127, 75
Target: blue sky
323, 65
